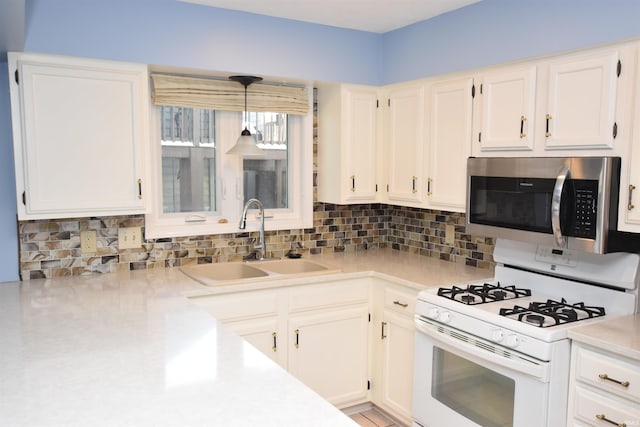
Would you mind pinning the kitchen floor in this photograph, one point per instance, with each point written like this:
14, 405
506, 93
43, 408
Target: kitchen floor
372, 418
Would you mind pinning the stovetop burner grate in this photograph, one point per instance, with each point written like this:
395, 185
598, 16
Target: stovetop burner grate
482, 293
552, 313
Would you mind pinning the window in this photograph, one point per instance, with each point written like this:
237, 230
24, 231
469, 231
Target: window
188, 160
267, 179
198, 189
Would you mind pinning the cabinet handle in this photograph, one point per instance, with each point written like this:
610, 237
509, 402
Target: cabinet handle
139, 189
413, 184
606, 377
401, 304
353, 183
297, 332
547, 133
275, 341
429, 181
382, 334
522, 120
603, 417
630, 205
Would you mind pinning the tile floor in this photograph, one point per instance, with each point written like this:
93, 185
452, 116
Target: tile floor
372, 418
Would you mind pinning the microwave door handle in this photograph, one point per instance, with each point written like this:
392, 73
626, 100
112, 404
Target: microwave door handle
556, 203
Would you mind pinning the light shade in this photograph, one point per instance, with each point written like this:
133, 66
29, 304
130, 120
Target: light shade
246, 146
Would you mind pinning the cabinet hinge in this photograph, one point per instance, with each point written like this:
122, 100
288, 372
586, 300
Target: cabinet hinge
615, 130
368, 385
16, 76
473, 91
619, 68
24, 198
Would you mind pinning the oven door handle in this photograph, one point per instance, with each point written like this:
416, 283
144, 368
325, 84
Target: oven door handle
522, 363
556, 203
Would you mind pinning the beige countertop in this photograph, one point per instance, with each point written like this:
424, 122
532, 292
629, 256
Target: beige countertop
129, 349
619, 335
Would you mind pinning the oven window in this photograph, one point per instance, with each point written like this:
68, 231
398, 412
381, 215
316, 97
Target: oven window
480, 394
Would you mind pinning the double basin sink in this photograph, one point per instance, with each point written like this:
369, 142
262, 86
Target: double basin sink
234, 272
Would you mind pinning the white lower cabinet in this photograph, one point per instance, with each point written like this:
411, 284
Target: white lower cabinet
329, 353
318, 332
604, 388
392, 351
350, 340
255, 316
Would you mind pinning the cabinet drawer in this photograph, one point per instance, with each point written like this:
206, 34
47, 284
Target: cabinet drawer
596, 409
400, 300
329, 295
607, 373
240, 306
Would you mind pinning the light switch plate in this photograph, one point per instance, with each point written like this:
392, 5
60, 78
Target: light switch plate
88, 240
129, 237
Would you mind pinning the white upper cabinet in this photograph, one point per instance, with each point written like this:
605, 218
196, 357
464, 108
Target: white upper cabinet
450, 117
570, 105
347, 152
508, 108
405, 143
581, 104
80, 136
629, 206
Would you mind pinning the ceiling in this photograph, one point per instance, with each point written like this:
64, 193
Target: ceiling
377, 16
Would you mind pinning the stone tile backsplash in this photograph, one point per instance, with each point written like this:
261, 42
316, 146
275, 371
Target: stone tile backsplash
51, 248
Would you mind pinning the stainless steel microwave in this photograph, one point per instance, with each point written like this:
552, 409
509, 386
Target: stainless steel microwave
564, 202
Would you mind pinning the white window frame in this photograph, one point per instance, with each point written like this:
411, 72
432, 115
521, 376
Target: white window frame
229, 183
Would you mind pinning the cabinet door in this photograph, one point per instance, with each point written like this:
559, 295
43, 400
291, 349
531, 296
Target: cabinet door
360, 144
629, 207
80, 131
264, 334
508, 106
581, 105
449, 144
328, 352
397, 333
405, 143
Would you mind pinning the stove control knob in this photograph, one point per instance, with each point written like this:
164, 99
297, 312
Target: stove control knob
512, 341
433, 313
497, 335
445, 317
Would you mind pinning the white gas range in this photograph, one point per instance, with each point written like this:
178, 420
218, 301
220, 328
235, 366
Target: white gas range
496, 352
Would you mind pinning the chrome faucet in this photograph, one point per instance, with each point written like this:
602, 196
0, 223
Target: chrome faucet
243, 224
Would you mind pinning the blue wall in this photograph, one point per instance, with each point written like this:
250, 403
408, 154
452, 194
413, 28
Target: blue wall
498, 31
172, 33
8, 222
168, 32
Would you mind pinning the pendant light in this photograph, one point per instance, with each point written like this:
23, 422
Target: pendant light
246, 143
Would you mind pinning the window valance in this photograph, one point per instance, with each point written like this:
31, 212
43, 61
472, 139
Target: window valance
186, 91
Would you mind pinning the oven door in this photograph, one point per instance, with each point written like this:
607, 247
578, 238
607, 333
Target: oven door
461, 380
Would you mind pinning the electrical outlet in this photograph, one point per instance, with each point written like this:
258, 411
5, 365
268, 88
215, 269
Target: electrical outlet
130, 237
88, 243
449, 234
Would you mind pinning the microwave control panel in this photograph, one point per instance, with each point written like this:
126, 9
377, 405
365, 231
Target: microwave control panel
585, 209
